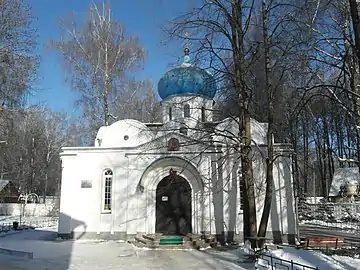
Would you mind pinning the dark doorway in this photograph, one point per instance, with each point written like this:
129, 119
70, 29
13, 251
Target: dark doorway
173, 206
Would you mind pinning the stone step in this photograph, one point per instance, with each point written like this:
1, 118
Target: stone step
155, 237
150, 237
140, 240
152, 241
146, 242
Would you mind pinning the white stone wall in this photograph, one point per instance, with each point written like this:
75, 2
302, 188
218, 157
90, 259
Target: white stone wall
124, 133
283, 211
81, 207
226, 132
282, 216
138, 168
177, 104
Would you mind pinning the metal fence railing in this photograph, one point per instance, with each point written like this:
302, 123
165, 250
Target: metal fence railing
5, 227
271, 262
27, 222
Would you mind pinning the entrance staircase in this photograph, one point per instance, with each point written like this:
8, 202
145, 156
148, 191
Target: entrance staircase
159, 241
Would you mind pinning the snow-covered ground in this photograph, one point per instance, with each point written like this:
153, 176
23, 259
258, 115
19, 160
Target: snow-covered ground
283, 257
86, 254
37, 222
313, 259
339, 225
82, 254
96, 255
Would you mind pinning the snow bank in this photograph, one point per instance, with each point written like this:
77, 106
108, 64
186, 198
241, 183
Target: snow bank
341, 225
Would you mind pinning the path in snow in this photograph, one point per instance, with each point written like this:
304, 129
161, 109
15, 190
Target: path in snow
81, 255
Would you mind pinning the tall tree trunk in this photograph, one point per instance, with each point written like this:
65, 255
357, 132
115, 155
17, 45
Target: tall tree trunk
319, 170
327, 156
306, 151
250, 224
331, 168
270, 132
323, 148
356, 29
293, 136
339, 138
342, 123
106, 108
45, 186
47, 167
107, 89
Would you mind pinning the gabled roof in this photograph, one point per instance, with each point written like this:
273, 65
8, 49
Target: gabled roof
160, 142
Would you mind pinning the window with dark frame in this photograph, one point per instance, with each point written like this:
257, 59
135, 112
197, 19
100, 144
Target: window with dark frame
184, 130
203, 118
186, 110
242, 189
173, 145
170, 113
108, 177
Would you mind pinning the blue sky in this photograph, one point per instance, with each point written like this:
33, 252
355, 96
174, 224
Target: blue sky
142, 18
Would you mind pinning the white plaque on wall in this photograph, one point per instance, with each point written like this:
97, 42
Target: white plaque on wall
164, 198
86, 184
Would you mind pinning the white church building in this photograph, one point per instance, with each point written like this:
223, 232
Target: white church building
181, 176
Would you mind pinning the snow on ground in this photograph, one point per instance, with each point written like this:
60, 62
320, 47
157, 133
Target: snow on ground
81, 254
315, 259
37, 222
309, 258
6, 223
95, 255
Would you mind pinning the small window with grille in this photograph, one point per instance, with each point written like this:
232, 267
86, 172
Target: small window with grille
107, 190
203, 115
184, 130
242, 191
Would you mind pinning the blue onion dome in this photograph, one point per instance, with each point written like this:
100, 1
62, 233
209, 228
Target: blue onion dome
187, 80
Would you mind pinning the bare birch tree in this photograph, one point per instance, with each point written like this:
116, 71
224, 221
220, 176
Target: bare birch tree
354, 13
218, 34
270, 121
137, 101
18, 62
99, 57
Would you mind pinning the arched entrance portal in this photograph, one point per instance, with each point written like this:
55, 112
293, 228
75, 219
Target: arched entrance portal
173, 206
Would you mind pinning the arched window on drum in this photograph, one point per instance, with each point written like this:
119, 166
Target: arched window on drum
203, 114
186, 110
170, 113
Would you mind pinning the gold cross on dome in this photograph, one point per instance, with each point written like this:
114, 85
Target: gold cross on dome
186, 49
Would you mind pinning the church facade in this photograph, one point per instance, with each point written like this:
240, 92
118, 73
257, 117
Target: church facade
176, 177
